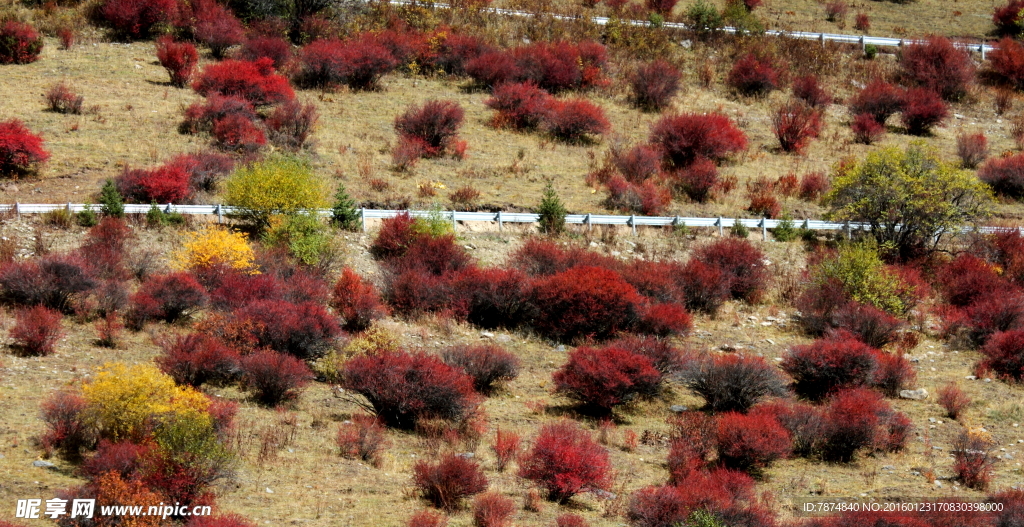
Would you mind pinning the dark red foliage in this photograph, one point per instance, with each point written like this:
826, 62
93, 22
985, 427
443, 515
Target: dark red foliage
571, 520
862, 22
215, 25
725, 493
573, 120
520, 105
135, 19
1007, 18
968, 279
276, 49
922, 110
939, 66
178, 58
36, 331
61, 98
254, 82
165, 184
54, 281
200, 116
813, 185
1004, 354
972, 149
229, 520
869, 324
304, 330
435, 124
662, 7
196, 359
1005, 175
1008, 252
454, 51
405, 45
565, 461
414, 292
601, 378
21, 151
494, 297
866, 129
67, 427
314, 27
654, 84
794, 124
274, 377
1007, 62
291, 124
828, 364
754, 76
363, 438
857, 418
698, 180
237, 133
658, 281
492, 510
104, 247
450, 480
356, 301
742, 264
168, 297
686, 138
19, 43
638, 164
953, 400
358, 63
123, 458
802, 421
493, 68
705, 287
403, 388
204, 169
427, 518
485, 364
647, 198
664, 320
809, 90
879, 99
584, 302
895, 373
560, 66
751, 442
732, 383
665, 358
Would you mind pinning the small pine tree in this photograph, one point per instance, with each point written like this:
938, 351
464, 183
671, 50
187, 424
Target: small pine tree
110, 200
87, 217
739, 230
786, 230
552, 212
344, 213
155, 217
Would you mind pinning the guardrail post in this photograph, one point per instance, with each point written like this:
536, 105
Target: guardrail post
17, 209
807, 223
362, 218
822, 39
220, 213
455, 225
721, 229
500, 225
168, 209
849, 233
632, 223
69, 207
590, 226
982, 49
863, 46
764, 229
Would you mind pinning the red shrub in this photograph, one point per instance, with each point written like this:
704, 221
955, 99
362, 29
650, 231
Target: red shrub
1005, 175
254, 82
952, 399
820, 368
485, 364
647, 198
492, 510
939, 66
200, 116
1007, 18
869, 324
230, 520
565, 461
895, 373
654, 84
520, 105
405, 45
435, 124
662, 7
862, 22
214, 25
732, 383
763, 203
754, 76
664, 320
493, 68
854, 419
358, 63
638, 164
994, 313
802, 421
1004, 354
698, 180
21, 151
61, 98
19, 43
67, 427
794, 124
494, 297
356, 301
168, 297
752, 442
291, 124
55, 281
587, 302
559, 66
571, 520
601, 378
506, 447
196, 359
810, 91
36, 331
178, 58
395, 236
968, 279
972, 149
135, 19
1007, 62
66, 36
572, 120
276, 49
836, 10
1008, 245
879, 99
449, 481
427, 518
236, 133
274, 377
665, 358
686, 138
705, 287
866, 129
813, 185
165, 184
362, 438
972, 460
304, 330
722, 492
742, 264
404, 387
453, 51
658, 507
122, 458
204, 169
922, 110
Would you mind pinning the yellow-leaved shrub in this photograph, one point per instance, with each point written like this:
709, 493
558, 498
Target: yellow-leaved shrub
215, 246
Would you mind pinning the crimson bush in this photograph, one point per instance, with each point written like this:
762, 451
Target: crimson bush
135, 19
751, 442
356, 301
492, 510
449, 481
291, 124
276, 49
494, 297
654, 84
565, 461
732, 383
36, 330
485, 364
1007, 62
454, 51
571, 520
204, 169
403, 388
165, 184
600, 379
794, 124
895, 373
866, 129
1007, 18
754, 76
809, 90
254, 82
685, 138
54, 281
236, 133
201, 116
493, 68
825, 365
19, 43
647, 198
178, 58
274, 377
196, 359
1005, 175
869, 324
879, 99
972, 149
1004, 354
506, 447
698, 180
362, 438
358, 63
67, 428
939, 66
923, 109
520, 105
741, 263
435, 125
858, 418
705, 286
813, 185
215, 25
583, 302
21, 151
662, 7
304, 330
968, 279
573, 120
427, 518
168, 297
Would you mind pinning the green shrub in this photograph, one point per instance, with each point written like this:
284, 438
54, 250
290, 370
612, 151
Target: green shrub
703, 18
304, 235
864, 278
552, 212
111, 202
786, 231
344, 213
739, 230
87, 217
279, 185
870, 50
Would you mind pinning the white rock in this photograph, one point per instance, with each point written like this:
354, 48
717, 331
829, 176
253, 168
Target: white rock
917, 395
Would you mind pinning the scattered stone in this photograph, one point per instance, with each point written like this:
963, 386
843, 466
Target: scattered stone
730, 347
932, 420
971, 378
466, 455
561, 347
486, 334
678, 408
770, 341
42, 464
269, 491
917, 395
504, 338
987, 379
888, 467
